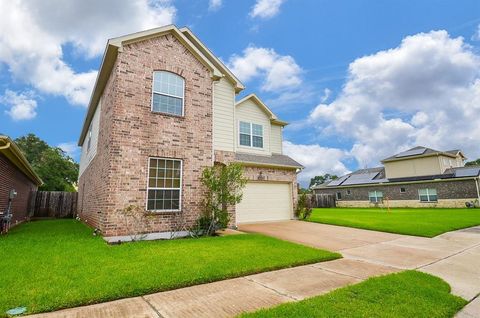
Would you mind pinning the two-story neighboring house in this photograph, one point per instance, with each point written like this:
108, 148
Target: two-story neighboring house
163, 108
418, 177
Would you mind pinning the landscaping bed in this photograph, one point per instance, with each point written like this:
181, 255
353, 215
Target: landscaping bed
407, 294
49, 265
426, 222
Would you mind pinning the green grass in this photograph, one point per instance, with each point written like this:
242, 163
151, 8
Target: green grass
407, 294
48, 265
419, 222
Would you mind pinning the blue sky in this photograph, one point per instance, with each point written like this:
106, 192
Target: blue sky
357, 80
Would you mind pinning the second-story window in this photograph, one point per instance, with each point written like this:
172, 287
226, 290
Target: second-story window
168, 93
251, 135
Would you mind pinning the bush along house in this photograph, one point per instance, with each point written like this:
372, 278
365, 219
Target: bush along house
419, 177
163, 108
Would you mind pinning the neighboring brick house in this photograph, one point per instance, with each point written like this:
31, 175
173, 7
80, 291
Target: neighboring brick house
15, 174
163, 108
419, 177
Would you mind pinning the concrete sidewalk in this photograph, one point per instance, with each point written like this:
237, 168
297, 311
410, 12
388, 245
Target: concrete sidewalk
453, 256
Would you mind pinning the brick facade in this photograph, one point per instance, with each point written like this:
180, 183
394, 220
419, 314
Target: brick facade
130, 133
450, 193
12, 178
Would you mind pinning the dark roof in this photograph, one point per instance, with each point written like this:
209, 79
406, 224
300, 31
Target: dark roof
421, 151
362, 176
377, 175
273, 160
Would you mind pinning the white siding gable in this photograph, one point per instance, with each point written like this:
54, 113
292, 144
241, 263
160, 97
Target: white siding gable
276, 139
223, 116
250, 112
88, 154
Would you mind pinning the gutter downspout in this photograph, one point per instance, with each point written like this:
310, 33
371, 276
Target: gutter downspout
477, 182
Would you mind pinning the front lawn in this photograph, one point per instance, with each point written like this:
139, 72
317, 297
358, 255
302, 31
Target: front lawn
48, 265
419, 222
407, 294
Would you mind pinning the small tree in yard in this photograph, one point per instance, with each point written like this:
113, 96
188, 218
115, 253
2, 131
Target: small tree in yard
224, 184
305, 205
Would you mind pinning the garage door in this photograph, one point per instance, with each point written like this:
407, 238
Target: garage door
264, 201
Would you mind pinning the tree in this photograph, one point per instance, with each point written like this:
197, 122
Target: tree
224, 184
473, 163
322, 179
58, 171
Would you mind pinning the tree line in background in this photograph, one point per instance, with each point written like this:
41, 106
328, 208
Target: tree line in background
473, 163
58, 171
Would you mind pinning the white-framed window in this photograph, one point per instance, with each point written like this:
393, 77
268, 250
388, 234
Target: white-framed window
89, 136
375, 196
338, 195
164, 189
251, 135
349, 192
168, 92
427, 195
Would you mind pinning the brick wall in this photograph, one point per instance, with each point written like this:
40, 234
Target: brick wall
12, 178
130, 133
462, 190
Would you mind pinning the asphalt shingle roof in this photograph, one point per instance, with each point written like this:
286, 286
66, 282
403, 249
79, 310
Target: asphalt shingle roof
274, 160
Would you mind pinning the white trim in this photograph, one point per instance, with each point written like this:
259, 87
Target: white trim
251, 135
180, 188
375, 196
147, 237
165, 94
428, 195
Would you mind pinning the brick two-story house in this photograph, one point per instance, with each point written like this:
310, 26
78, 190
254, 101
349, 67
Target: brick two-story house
163, 108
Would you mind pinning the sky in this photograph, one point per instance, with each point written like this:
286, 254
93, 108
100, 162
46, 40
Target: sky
358, 80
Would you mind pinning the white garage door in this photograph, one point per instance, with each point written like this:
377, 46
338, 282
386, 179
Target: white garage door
265, 202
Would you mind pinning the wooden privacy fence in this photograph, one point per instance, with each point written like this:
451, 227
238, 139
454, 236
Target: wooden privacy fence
324, 200
56, 204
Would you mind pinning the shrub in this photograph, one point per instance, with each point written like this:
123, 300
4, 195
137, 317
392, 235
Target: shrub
305, 205
224, 184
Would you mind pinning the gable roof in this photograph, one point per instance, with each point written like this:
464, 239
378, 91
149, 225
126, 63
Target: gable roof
11, 151
115, 45
254, 98
420, 151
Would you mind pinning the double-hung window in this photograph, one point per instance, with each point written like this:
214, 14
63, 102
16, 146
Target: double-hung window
427, 195
375, 196
168, 93
164, 184
251, 135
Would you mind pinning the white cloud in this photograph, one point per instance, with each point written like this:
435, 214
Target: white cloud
266, 9
317, 160
476, 35
22, 105
326, 95
280, 72
34, 33
214, 5
425, 92
70, 148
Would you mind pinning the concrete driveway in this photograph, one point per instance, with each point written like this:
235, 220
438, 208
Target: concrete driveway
453, 256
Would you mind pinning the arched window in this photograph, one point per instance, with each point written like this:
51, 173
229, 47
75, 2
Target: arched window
168, 93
